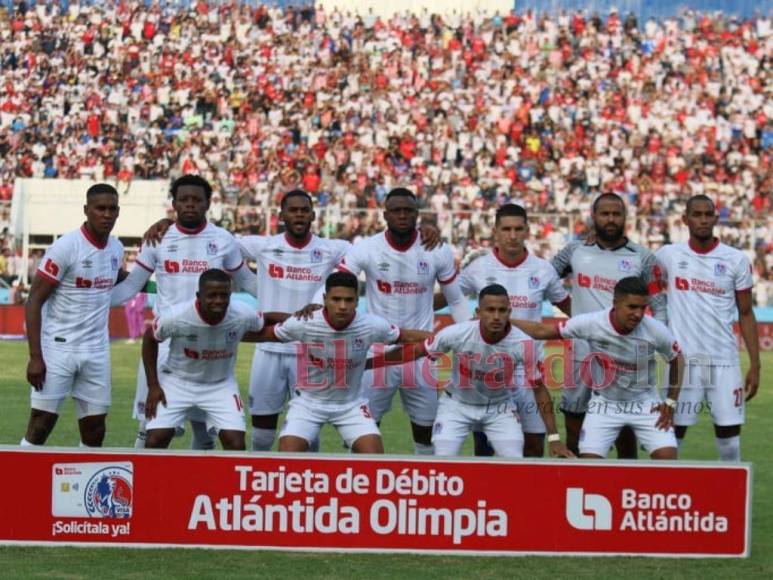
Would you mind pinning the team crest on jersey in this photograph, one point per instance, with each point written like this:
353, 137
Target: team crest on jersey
533, 282
422, 267
358, 344
109, 493
211, 248
230, 337
624, 265
114, 262
719, 269
316, 256
437, 428
383, 267
87, 263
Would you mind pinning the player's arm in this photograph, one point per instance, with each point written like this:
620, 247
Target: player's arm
562, 261
449, 280
245, 279
430, 235
651, 277
439, 301
748, 326
150, 362
545, 405
155, 233
565, 305
408, 336
675, 374
133, 284
538, 330
410, 352
42, 288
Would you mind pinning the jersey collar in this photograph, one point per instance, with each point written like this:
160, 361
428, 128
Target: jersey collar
192, 231
714, 244
337, 328
92, 239
509, 264
401, 247
618, 330
506, 334
297, 245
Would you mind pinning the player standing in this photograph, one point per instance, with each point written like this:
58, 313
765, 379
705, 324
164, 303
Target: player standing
624, 341
594, 270
331, 359
707, 283
198, 371
529, 280
191, 247
400, 280
66, 316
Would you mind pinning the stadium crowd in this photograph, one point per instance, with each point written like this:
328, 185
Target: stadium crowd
469, 112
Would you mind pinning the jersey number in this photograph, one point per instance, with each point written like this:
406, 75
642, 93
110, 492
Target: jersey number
239, 404
365, 412
738, 396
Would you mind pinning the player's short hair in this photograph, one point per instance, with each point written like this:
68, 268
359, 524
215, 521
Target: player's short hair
697, 198
213, 275
295, 193
400, 192
607, 195
342, 280
100, 189
631, 285
194, 180
511, 210
492, 290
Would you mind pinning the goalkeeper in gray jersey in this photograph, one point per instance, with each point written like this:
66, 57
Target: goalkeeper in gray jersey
594, 269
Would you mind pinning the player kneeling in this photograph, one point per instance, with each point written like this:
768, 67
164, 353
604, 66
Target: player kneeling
331, 360
198, 373
623, 342
480, 394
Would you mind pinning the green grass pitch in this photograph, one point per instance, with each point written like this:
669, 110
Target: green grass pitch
75, 563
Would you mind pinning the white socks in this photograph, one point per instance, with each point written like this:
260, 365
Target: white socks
729, 448
262, 439
25, 443
423, 449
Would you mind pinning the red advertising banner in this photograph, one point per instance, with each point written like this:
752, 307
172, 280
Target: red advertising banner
349, 503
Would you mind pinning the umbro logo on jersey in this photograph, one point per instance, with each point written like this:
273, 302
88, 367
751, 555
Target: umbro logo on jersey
212, 249
172, 248
682, 265
276, 271
383, 267
491, 280
278, 251
87, 263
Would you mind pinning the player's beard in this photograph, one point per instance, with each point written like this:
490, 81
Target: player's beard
605, 236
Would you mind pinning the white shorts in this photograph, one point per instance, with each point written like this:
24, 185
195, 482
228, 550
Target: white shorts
604, 420
575, 396
82, 375
141, 391
272, 380
220, 404
455, 420
720, 390
531, 419
419, 397
305, 418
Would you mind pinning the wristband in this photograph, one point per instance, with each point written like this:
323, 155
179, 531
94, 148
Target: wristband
554, 438
671, 403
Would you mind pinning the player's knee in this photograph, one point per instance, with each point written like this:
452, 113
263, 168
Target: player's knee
533, 445
726, 431
232, 440
669, 453
159, 438
482, 446
422, 433
368, 444
265, 421
40, 425
680, 431
293, 444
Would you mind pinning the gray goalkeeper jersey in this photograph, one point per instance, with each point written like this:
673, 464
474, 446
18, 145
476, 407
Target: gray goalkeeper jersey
594, 271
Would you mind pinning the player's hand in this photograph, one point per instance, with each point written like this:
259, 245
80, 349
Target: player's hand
666, 419
559, 449
752, 382
307, 311
155, 233
36, 372
430, 236
155, 396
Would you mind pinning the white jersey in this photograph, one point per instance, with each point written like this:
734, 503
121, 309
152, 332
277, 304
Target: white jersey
483, 372
401, 280
528, 282
200, 352
331, 361
701, 289
290, 274
183, 256
627, 359
76, 313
